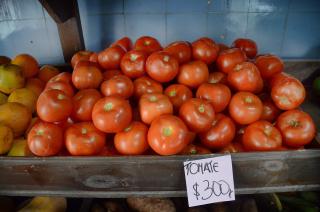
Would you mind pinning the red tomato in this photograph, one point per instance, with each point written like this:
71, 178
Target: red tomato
62, 77
297, 128
111, 114
178, 94
198, 114
168, 135
181, 50
147, 44
261, 136
45, 139
124, 42
80, 56
119, 85
94, 57
84, 139
83, 103
162, 67
246, 45
54, 105
233, 148
269, 65
62, 86
218, 95
269, 112
144, 85
193, 74
205, 49
222, 47
64, 125
193, 149
110, 57
133, 64
217, 77
110, 73
132, 140
87, 75
229, 58
151, 106
245, 108
245, 77
220, 134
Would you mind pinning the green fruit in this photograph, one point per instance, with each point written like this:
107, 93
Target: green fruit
10, 78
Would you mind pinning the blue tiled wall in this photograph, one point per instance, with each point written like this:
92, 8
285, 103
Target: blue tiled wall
289, 28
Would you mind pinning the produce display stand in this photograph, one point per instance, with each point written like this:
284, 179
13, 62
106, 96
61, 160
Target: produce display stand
297, 170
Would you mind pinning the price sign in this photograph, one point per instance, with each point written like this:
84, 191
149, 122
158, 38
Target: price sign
209, 180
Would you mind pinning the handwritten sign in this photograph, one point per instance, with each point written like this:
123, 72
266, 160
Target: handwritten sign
209, 180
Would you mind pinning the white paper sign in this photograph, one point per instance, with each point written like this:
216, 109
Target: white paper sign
209, 180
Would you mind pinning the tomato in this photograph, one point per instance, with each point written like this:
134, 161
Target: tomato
80, 56
111, 114
45, 139
269, 112
233, 148
83, 103
218, 95
94, 57
181, 50
198, 114
193, 149
245, 108
110, 57
119, 85
28, 64
229, 58
217, 77
133, 64
222, 47
261, 136
152, 106
246, 45
168, 135
287, 92
87, 75
162, 67
178, 94
110, 73
269, 65
62, 86
36, 85
193, 74
245, 77
64, 77
147, 44
144, 85
84, 139
220, 134
65, 124
297, 128
132, 140
205, 49
124, 42
47, 72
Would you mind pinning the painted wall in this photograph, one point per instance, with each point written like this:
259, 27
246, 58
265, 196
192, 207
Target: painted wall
289, 28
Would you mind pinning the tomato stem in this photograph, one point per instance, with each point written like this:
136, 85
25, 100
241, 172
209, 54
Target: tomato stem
167, 131
40, 132
294, 123
60, 96
127, 129
173, 93
166, 58
147, 43
153, 99
84, 131
108, 106
201, 108
193, 151
133, 57
248, 99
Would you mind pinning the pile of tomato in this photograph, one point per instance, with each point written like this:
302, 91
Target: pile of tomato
198, 97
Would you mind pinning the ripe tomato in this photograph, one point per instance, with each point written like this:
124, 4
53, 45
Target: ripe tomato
64, 77
144, 85
198, 114
47, 72
181, 50
151, 106
193, 74
287, 92
133, 64
261, 136
80, 56
222, 47
217, 77
132, 140
124, 42
220, 134
193, 149
246, 45
178, 94
28, 64
119, 85
297, 128
245, 108
233, 148
87, 75
45, 139
54, 105
83, 103
205, 49
229, 58
110, 57
94, 57
269, 112
84, 139
168, 135
62, 86
111, 114
218, 95
245, 77
110, 73
36, 85
162, 67
269, 65
147, 44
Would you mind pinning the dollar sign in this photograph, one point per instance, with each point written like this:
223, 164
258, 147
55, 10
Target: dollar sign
195, 188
